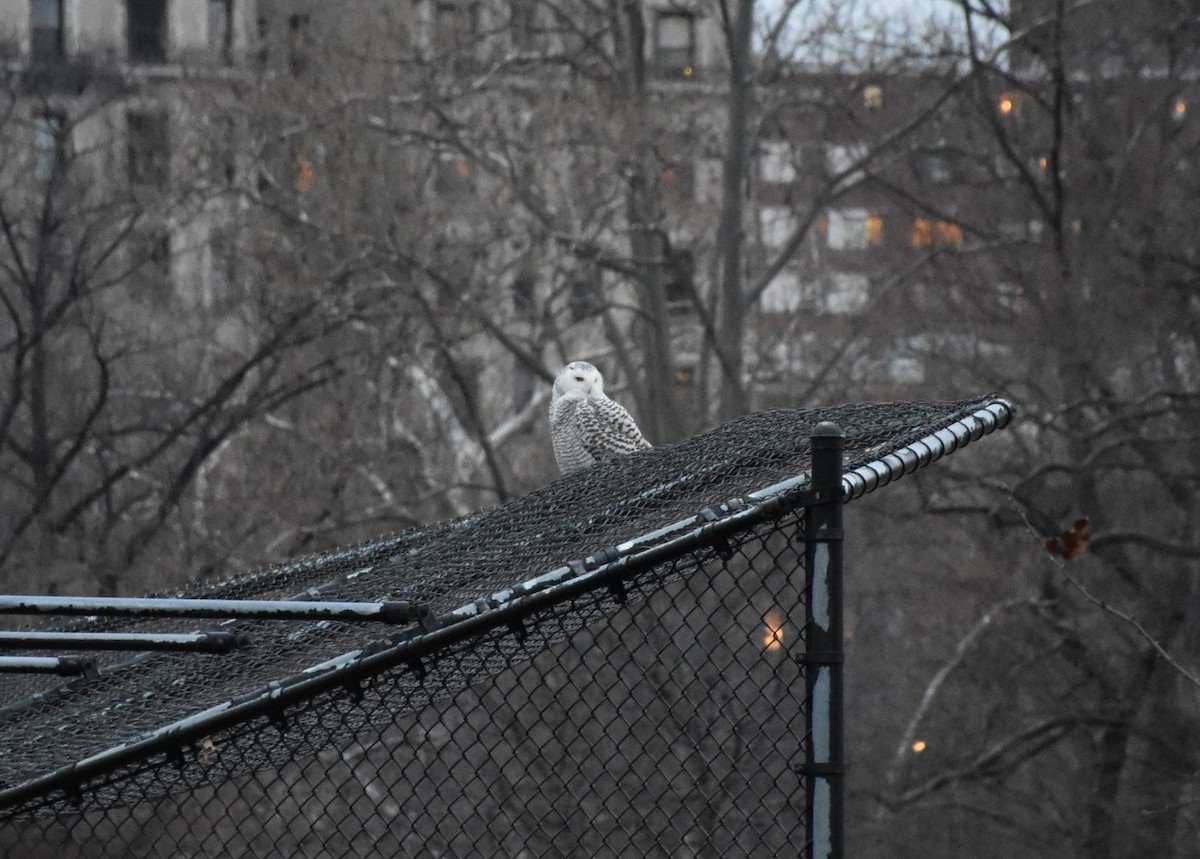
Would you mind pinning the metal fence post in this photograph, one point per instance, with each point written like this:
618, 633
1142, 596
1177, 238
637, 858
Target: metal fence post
825, 764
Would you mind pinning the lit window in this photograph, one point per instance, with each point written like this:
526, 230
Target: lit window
873, 96
46, 21
1043, 165
874, 229
776, 162
675, 43
147, 30
949, 233
304, 173
1179, 110
922, 233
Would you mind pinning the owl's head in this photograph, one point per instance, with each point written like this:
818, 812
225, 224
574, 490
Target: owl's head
579, 379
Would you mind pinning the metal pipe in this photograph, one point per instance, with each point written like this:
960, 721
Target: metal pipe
64, 666
393, 612
824, 655
194, 642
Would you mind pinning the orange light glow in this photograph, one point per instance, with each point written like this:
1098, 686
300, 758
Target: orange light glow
1180, 109
922, 233
949, 233
918, 747
1043, 163
304, 174
464, 169
1006, 105
773, 631
688, 71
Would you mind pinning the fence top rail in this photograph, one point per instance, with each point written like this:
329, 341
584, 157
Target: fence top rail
583, 531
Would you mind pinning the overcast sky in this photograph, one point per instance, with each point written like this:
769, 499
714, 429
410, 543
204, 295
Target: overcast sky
876, 29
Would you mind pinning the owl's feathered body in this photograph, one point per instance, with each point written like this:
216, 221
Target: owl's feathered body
585, 425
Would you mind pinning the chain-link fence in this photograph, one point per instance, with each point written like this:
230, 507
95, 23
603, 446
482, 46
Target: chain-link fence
612, 666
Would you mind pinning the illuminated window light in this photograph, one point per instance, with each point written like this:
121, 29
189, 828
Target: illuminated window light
1043, 164
304, 174
1007, 104
688, 71
463, 168
919, 746
1179, 111
922, 233
872, 96
874, 229
949, 233
772, 631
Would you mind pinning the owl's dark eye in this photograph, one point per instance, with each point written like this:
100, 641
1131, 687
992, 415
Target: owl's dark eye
579, 378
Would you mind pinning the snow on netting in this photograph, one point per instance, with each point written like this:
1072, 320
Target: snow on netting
384, 747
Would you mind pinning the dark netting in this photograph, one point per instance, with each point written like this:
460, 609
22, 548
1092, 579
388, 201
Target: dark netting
659, 709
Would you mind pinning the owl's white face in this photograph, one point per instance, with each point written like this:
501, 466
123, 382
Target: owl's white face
578, 379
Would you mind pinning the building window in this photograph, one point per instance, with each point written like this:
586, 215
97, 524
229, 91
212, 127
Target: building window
678, 182
152, 261
526, 31
776, 225
874, 229
220, 30
846, 229
777, 162
263, 54
298, 43
848, 292
679, 273
784, 294
935, 168
453, 176
149, 151
49, 145
455, 26
949, 233
841, 157
873, 96
922, 233
46, 25
586, 295
926, 233
147, 31
675, 44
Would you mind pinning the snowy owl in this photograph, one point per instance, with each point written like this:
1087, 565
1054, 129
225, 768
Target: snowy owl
585, 425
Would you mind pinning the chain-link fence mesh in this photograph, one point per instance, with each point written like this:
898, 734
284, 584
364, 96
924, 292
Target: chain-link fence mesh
642, 693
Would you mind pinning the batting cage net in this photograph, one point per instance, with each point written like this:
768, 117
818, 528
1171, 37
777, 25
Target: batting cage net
614, 665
